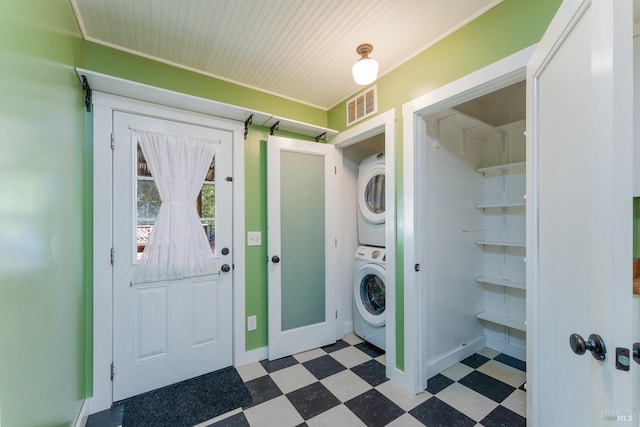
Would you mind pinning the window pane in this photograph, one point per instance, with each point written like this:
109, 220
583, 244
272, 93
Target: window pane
148, 199
302, 208
211, 173
210, 231
208, 200
143, 167
143, 231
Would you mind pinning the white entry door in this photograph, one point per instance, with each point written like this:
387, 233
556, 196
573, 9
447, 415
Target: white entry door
302, 245
166, 332
579, 193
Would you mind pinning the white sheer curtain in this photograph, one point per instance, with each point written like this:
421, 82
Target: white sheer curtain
178, 246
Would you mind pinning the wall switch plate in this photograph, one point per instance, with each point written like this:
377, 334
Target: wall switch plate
252, 323
254, 238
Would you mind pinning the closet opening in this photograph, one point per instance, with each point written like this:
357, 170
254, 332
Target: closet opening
473, 219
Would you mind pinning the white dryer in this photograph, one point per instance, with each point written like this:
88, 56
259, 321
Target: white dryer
369, 295
371, 201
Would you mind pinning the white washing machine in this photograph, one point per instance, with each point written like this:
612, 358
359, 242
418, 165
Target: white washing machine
371, 201
369, 288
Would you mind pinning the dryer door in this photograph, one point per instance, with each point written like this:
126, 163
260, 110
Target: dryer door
371, 200
369, 291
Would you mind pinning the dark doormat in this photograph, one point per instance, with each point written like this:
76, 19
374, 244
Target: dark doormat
189, 402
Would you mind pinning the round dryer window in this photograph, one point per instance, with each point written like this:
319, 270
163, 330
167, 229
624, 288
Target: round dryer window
369, 294
371, 194
374, 194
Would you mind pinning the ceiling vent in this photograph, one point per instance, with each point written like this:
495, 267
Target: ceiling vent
362, 106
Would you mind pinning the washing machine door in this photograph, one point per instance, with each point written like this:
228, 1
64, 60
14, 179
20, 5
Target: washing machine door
371, 194
369, 290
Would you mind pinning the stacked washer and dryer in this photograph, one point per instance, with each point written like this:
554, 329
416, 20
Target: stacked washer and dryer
369, 278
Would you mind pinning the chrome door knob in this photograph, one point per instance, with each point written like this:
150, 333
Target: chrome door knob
225, 268
275, 259
595, 345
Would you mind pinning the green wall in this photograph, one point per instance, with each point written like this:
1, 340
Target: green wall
255, 157
45, 180
42, 274
131, 67
507, 28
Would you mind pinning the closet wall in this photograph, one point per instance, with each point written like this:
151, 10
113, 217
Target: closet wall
475, 246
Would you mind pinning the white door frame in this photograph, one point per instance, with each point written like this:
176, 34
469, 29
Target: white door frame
103, 106
384, 122
504, 72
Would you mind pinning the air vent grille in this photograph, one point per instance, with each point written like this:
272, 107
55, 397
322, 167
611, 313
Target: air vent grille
362, 106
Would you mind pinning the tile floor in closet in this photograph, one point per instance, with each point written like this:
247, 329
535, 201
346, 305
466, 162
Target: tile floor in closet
344, 385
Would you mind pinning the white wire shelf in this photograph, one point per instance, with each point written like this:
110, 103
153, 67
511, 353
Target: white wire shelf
501, 282
502, 320
506, 166
498, 243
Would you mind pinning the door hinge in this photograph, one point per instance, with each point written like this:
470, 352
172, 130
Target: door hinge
336, 314
113, 371
113, 141
113, 256
335, 170
229, 179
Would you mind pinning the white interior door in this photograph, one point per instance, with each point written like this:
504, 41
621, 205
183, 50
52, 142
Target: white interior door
579, 142
302, 245
166, 332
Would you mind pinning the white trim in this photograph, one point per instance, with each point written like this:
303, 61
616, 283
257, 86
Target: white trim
454, 356
253, 356
103, 106
81, 420
497, 75
143, 92
384, 122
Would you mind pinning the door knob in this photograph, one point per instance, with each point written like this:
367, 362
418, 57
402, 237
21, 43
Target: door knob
225, 268
225, 251
595, 345
275, 259
636, 352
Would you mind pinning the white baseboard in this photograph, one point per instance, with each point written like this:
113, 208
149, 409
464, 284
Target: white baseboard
81, 421
438, 365
347, 327
519, 353
252, 356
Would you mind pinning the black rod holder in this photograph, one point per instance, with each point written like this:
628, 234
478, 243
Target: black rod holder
246, 125
322, 137
87, 93
274, 128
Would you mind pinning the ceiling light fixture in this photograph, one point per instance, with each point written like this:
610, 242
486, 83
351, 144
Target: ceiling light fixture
365, 71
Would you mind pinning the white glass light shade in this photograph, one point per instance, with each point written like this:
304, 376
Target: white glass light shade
365, 71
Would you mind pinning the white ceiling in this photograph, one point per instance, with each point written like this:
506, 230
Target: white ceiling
298, 49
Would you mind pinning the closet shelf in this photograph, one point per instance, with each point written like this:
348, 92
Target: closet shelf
500, 205
502, 320
501, 167
501, 282
497, 243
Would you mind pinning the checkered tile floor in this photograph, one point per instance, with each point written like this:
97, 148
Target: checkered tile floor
344, 385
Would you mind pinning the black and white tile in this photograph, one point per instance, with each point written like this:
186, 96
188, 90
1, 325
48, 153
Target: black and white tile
344, 384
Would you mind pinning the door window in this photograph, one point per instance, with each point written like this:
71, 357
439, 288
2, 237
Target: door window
148, 203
